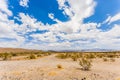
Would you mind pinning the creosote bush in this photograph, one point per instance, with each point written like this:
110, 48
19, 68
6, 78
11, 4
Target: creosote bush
6, 56
62, 56
90, 55
59, 66
39, 55
74, 57
105, 59
112, 59
32, 56
85, 64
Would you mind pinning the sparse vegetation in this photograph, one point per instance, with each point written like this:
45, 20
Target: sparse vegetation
27, 55
70, 66
62, 55
89, 55
59, 66
32, 56
105, 59
112, 59
85, 64
74, 58
6, 56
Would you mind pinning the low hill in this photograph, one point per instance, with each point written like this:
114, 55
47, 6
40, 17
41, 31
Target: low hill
8, 50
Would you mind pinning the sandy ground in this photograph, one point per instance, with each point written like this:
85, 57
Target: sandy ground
45, 68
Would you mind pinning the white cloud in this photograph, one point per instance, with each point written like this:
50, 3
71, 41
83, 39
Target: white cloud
46, 37
77, 10
63, 44
51, 16
73, 34
7, 31
7, 27
3, 17
24, 3
29, 24
112, 19
4, 7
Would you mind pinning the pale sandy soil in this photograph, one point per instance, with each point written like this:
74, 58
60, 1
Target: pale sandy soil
45, 68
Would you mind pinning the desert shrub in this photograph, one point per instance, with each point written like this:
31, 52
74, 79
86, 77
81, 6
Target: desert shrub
6, 56
61, 56
90, 55
14, 54
85, 63
110, 55
112, 59
74, 57
1, 55
47, 54
59, 66
67, 55
99, 55
32, 56
105, 59
39, 55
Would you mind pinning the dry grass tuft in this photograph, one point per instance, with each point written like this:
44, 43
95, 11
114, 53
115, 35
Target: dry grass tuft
59, 66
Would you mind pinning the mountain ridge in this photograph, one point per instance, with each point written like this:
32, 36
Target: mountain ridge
7, 50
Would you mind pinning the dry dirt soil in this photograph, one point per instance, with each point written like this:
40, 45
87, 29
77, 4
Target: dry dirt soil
45, 68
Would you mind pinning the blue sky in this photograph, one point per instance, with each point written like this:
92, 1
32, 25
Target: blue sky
60, 24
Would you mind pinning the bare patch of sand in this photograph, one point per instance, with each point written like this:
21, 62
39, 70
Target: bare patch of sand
46, 69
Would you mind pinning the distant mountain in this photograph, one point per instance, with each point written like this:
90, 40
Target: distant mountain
3, 50
8, 50
98, 50
86, 50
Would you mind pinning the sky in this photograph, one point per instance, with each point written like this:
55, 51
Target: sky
60, 24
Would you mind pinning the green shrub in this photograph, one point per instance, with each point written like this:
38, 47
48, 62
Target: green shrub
85, 63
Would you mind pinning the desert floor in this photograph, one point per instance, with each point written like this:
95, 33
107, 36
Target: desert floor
45, 68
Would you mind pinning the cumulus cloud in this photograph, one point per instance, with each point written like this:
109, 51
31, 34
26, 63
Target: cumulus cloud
46, 37
51, 16
70, 35
7, 27
112, 19
29, 24
24, 3
77, 10
4, 7
7, 31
